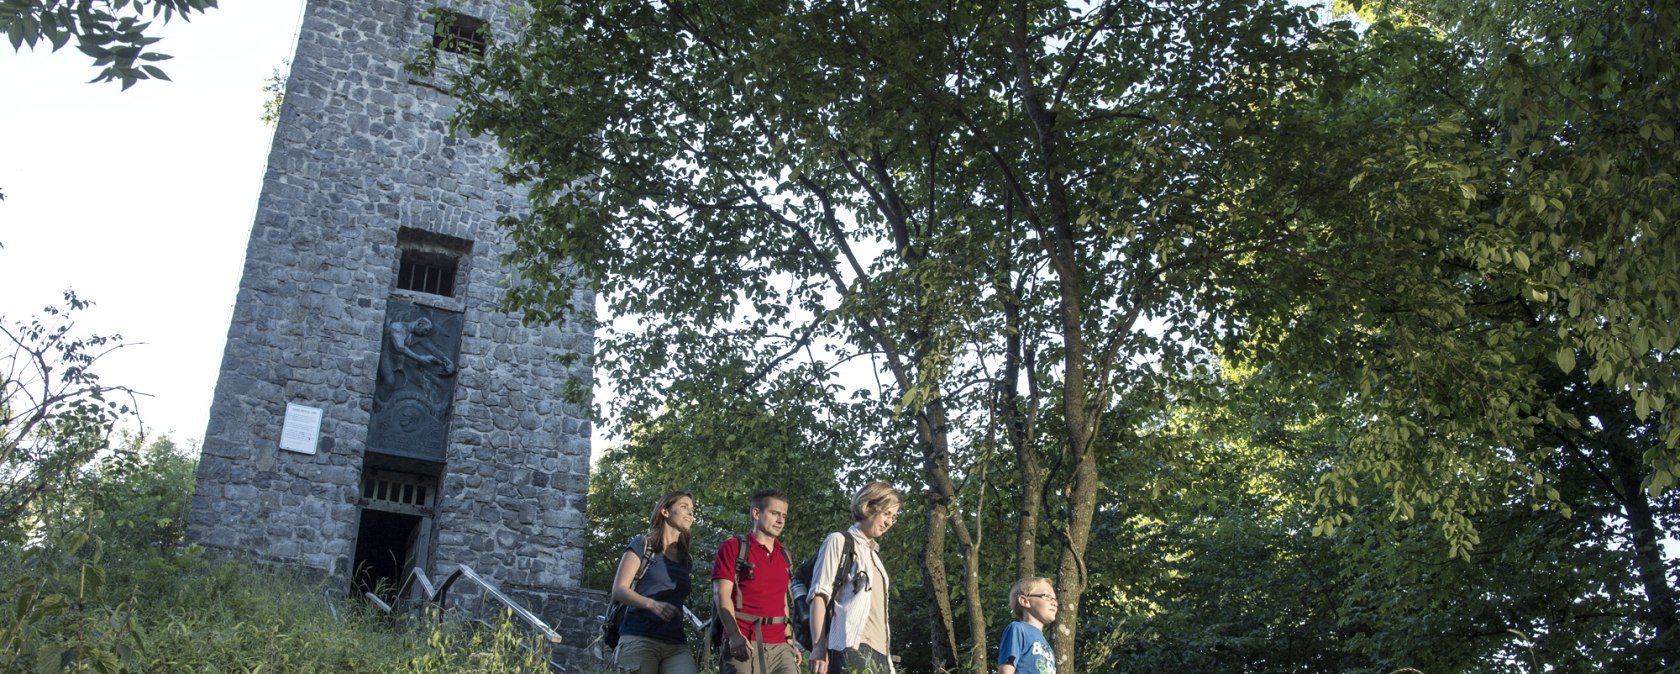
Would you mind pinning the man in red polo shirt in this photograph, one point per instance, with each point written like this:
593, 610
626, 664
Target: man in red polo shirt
752, 588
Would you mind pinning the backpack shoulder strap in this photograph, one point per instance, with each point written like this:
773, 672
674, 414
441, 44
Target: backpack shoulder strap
788, 557
647, 554
848, 556
740, 552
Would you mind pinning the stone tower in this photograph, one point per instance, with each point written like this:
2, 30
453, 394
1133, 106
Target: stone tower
376, 410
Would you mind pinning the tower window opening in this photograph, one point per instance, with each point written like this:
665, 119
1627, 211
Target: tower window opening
427, 273
461, 34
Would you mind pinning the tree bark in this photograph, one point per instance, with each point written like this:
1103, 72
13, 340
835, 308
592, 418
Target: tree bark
1054, 225
941, 495
942, 635
1625, 481
1018, 424
1661, 611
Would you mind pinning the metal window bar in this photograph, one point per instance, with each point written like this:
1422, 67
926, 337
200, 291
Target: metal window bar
459, 33
401, 489
426, 277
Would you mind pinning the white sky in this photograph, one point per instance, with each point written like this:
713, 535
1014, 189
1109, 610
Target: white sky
141, 201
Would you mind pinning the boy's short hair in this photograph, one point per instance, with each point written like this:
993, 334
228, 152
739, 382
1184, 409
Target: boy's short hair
764, 495
873, 498
1022, 587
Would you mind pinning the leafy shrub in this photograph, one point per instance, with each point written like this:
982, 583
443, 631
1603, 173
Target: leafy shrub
101, 583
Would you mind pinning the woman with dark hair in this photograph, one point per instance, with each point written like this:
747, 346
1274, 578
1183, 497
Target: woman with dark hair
652, 640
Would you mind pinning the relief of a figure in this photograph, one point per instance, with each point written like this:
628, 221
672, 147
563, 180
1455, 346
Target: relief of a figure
416, 382
410, 361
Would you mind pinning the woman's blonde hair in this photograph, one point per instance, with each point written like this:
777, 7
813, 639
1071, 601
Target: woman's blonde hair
1024, 586
656, 525
873, 498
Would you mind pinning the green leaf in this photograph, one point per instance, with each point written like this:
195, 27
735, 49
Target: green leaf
31, 30
52, 660
59, 38
1661, 480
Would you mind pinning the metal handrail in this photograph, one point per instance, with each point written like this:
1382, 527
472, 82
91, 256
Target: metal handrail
414, 576
441, 593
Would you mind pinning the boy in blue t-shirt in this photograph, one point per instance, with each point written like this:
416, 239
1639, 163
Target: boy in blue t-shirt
1023, 649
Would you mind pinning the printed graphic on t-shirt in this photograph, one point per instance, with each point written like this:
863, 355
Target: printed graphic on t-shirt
1046, 659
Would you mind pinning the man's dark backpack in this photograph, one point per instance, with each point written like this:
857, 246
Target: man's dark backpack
801, 587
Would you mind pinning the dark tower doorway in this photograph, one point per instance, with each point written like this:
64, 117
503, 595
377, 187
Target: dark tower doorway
394, 535
385, 546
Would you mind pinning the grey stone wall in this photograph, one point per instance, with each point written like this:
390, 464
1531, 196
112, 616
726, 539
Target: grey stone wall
573, 614
361, 152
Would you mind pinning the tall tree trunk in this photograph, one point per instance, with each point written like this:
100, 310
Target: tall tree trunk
942, 636
977, 647
1019, 424
1661, 610
935, 443
1071, 572
1625, 482
1054, 225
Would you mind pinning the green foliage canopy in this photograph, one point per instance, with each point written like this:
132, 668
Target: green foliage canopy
1487, 309
1400, 226
111, 32
751, 182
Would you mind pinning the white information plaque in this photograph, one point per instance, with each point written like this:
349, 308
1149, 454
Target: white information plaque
302, 431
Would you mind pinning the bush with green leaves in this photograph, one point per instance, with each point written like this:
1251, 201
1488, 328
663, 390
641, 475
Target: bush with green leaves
102, 583
56, 415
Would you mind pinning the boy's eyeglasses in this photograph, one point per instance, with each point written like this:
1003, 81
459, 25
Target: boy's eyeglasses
1041, 595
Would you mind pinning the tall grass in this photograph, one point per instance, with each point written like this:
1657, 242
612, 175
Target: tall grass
100, 583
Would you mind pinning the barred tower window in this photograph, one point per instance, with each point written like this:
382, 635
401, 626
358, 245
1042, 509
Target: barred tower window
461, 34
427, 272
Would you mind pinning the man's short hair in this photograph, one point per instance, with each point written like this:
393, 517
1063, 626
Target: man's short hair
763, 496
